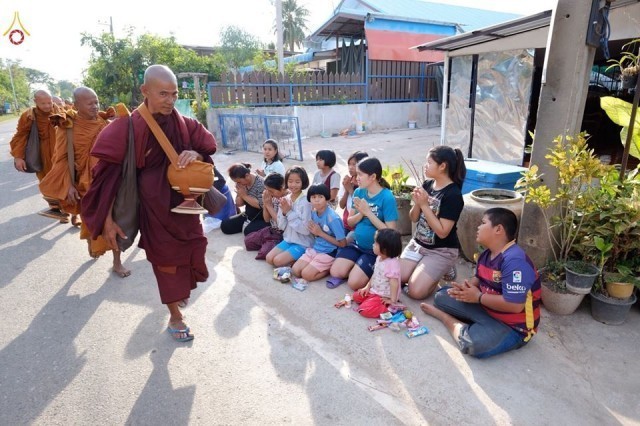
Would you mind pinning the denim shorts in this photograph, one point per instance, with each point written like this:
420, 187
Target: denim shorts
365, 259
295, 250
484, 336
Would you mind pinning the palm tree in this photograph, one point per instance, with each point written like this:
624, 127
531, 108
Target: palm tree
294, 23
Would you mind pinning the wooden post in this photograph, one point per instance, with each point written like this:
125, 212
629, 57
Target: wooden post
565, 82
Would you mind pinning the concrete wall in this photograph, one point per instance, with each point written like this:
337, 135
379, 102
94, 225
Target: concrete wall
337, 118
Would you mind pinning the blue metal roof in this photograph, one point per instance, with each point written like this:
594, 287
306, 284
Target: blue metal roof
466, 17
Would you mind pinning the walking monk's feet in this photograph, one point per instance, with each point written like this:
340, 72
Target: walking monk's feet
179, 331
121, 271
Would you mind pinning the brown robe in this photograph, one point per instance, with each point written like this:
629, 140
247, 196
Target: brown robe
46, 131
174, 243
57, 183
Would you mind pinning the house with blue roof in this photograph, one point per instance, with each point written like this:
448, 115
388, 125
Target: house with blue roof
390, 28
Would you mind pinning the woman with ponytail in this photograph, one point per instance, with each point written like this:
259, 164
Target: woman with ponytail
374, 207
433, 250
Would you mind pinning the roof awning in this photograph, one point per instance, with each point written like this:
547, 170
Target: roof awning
342, 25
495, 32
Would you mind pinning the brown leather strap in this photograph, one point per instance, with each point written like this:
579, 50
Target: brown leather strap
159, 134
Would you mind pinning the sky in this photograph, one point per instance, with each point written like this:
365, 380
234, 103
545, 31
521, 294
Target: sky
53, 45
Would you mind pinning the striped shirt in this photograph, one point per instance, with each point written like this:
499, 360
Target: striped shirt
512, 275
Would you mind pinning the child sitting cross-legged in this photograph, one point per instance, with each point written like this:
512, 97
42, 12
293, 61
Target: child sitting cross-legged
327, 227
384, 286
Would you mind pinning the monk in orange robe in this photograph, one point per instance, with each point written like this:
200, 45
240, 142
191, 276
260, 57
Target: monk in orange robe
46, 130
83, 127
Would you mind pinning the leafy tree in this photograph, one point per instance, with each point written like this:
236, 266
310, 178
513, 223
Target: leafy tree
116, 66
65, 88
238, 47
294, 23
36, 77
20, 83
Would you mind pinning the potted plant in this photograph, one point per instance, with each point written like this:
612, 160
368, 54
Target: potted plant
397, 177
565, 208
621, 284
629, 64
555, 295
611, 232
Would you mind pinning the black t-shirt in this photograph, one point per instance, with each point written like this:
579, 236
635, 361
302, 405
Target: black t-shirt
446, 203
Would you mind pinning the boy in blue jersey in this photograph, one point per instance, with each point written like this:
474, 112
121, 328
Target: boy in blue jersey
499, 308
327, 227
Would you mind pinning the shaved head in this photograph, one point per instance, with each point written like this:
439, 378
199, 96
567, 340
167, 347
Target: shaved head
57, 100
42, 99
82, 91
159, 72
160, 89
41, 93
86, 103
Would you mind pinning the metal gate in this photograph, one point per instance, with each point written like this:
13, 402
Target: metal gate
248, 132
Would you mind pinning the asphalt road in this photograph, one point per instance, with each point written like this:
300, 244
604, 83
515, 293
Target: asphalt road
79, 345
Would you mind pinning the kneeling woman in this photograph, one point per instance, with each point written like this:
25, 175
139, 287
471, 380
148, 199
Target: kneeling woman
374, 207
249, 189
437, 205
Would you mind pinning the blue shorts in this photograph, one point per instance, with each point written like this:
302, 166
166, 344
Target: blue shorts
295, 250
365, 259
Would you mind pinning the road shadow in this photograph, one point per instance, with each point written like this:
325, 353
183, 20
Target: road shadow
231, 321
159, 402
15, 258
39, 363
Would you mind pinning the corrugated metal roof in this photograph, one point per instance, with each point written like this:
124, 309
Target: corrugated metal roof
494, 32
466, 17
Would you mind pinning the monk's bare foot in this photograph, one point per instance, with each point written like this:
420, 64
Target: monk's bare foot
75, 221
183, 303
429, 309
121, 271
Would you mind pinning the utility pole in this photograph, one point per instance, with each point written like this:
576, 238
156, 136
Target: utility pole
565, 82
110, 24
13, 87
279, 36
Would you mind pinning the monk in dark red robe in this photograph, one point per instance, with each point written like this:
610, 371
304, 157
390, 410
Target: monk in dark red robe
47, 132
174, 243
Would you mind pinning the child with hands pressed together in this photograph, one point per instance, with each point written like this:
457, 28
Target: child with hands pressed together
272, 162
384, 286
374, 207
437, 205
349, 185
498, 309
327, 228
293, 217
